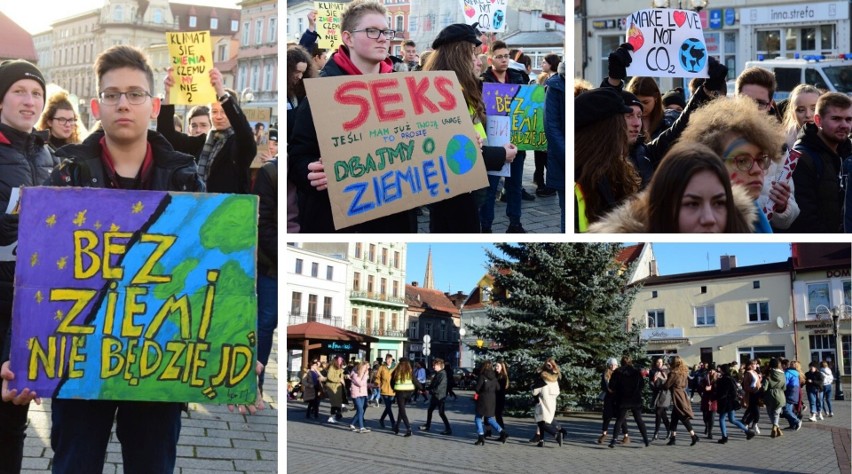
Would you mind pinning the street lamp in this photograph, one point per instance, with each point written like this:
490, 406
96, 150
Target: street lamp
461, 335
837, 313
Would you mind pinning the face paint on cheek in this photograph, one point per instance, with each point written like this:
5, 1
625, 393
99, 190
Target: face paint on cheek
735, 177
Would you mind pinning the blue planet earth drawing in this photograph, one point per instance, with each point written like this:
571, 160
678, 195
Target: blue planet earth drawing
693, 55
461, 154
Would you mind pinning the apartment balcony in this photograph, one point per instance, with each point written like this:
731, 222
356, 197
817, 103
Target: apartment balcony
377, 298
299, 318
377, 332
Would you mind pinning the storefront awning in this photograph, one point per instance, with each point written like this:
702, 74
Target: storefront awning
669, 340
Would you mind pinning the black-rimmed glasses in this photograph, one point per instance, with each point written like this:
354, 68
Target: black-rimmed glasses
135, 97
373, 33
64, 121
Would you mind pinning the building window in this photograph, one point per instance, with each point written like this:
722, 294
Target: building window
443, 331
370, 281
395, 289
223, 52
394, 318
705, 315
314, 269
383, 288
369, 320
755, 284
193, 21
356, 281
273, 30
653, 293
329, 272
818, 295
235, 25
245, 40
381, 320
118, 13
258, 31
657, 318
400, 24
355, 319
357, 250
255, 75
312, 307
396, 259
427, 328
758, 312
847, 292
299, 266
157, 17
412, 330
296, 304
326, 307
384, 257
372, 256
214, 23
267, 78
242, 78
703, 290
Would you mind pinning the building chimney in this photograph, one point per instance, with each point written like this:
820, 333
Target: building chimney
652, 267
728, 262
414, 284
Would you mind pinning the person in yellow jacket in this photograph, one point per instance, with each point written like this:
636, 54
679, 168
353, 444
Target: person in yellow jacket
334, 389
404, 385
383, 380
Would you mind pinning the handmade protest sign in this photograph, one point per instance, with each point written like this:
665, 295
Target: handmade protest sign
519, 106
192, 58
666, 43
136, 295
490, 14
328, 24
392, 142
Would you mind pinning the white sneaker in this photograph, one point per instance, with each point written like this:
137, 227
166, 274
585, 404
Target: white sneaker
365, 430
756, 429
830, 415
821, 417
812, 418
352, 427
331, 419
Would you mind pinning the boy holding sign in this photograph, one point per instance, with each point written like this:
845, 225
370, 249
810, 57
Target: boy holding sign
366, 37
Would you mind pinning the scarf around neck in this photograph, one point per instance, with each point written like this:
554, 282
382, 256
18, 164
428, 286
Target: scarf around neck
212, 146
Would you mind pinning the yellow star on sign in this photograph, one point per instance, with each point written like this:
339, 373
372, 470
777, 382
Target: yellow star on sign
60, 264
34, 259
39, 297
59, 315
98, 225
80, 219
137, 208
50, 221
113, 227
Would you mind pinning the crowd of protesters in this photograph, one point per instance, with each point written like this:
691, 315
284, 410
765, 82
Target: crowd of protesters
648, 162
459, 48
43, 142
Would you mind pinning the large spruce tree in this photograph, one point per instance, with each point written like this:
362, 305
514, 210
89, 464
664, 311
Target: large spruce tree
569, 301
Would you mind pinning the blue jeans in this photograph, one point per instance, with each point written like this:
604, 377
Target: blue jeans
267, 319
375, 395
148, 432
388, 399
360, 403
480, 429
826, 398
730, 416
486, 212
815, 401
790, 415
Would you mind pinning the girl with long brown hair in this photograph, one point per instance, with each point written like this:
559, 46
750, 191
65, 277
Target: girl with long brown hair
404, 384
681, 405
648, 93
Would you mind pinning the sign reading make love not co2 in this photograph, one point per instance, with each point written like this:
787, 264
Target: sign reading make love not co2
393, 142
490, 14
666, 43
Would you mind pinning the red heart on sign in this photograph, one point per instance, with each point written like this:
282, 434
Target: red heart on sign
635, 38
679, 17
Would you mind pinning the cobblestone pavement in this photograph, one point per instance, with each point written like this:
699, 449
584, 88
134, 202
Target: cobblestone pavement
821, 447
212, 439
539, 216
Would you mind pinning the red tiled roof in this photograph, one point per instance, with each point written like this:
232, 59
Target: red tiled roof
15, 42
315, 330
628, 254
429, 298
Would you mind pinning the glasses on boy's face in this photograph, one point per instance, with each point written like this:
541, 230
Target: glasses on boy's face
744, 162
373, 33
501, 56
134, 96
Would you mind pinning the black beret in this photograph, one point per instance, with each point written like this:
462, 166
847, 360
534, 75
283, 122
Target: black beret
458, 32
630, 99
596, 105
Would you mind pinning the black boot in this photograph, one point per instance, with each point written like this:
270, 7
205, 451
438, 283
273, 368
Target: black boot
671, 441
479, 441
559, 438
723, 440
654, 438
540, 443
503, 437
695, 439
536, 438
488, 433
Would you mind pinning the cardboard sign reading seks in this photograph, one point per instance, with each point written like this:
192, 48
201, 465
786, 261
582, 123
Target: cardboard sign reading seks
328, 24
136, 295
490, 14
192, 58
516, 110
666, 43
393, 142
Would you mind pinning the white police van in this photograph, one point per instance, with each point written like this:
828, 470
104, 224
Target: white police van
831, 74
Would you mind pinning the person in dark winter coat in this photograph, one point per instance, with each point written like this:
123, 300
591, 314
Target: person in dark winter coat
681, 405
660, 398
814, 387
610, 401
26, 161
404, 384
823, 145
486, 401
225, 153
438, 392
727, 403
627, 382
773, 386
266, 187
554, 130
359, 54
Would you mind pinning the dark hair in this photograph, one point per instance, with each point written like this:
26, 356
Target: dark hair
198, 111
774, 363
758, 76
832, 99
295, 55
317, 51
626, 360
123, 56
409, 43
647, 86
498, 45
665, 192
553, 60
455, 57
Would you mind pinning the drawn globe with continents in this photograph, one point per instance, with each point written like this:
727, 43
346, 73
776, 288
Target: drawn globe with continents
461, 154
693, 55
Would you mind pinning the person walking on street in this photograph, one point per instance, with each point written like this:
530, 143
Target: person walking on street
404, 384
610, 402
681, 407
773, 386
546, 390
383, 380
661, 398
752, 381
312, 391
438, 391
827, 381
628, 384
727, 403
359, 377
486, 399
814, 385
334, 389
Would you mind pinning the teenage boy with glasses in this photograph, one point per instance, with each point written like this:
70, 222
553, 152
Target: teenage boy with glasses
366, 37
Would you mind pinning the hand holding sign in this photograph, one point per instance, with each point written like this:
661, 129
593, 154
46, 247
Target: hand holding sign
24, 398
316, 175
666, 43
619, 61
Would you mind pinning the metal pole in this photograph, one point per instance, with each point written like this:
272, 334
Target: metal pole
838, 394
